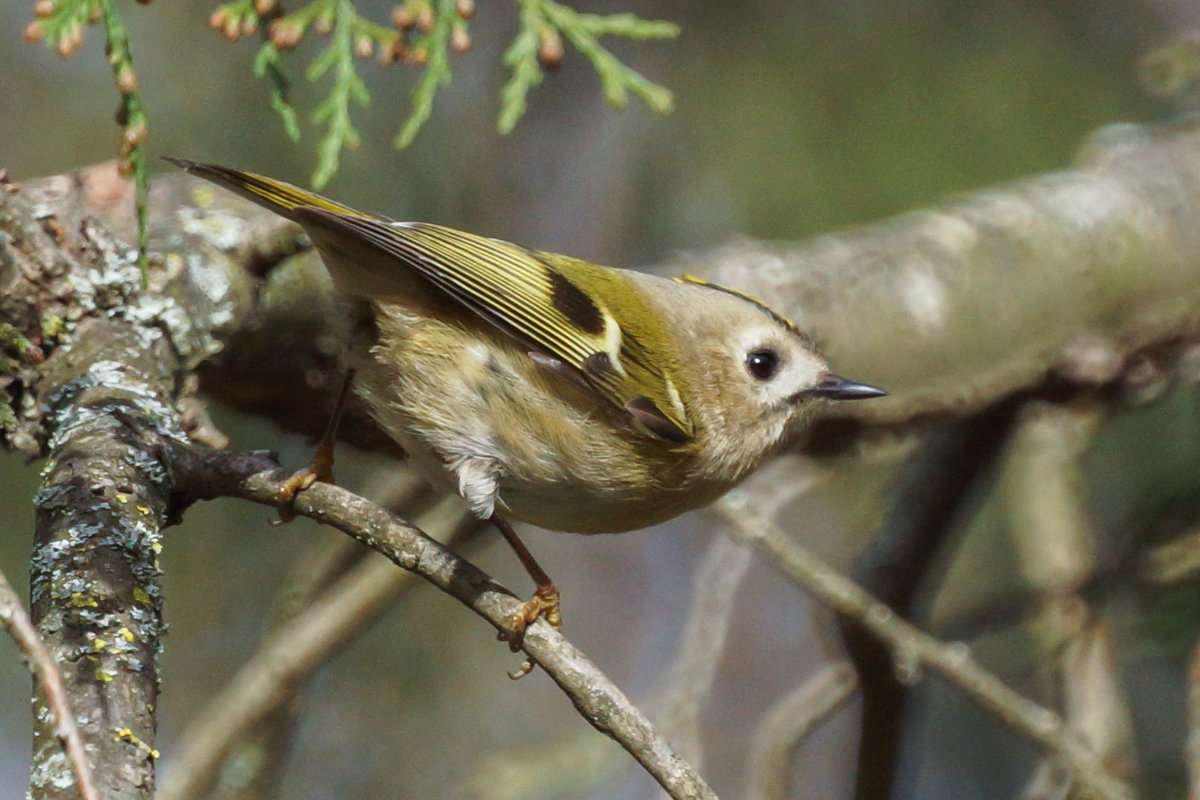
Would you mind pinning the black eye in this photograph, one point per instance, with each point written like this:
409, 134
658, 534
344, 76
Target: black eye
763, 364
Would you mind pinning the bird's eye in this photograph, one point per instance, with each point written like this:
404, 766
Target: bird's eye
762, 364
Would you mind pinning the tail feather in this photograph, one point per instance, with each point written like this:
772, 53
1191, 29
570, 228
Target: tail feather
282, 198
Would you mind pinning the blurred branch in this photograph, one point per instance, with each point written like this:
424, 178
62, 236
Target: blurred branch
909, 645
45, 673
716, 582
1192, 756
207, 474
1044, 486
927, 498
788, 723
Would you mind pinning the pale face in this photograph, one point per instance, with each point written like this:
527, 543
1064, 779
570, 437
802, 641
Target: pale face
776, 367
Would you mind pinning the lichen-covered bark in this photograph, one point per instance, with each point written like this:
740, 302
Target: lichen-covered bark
96, 378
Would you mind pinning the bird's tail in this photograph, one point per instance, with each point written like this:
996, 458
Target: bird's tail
280, 197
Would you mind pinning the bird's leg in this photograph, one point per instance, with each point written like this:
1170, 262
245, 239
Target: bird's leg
544, 602
320, 468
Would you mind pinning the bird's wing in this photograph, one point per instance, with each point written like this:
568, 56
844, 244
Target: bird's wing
531, 296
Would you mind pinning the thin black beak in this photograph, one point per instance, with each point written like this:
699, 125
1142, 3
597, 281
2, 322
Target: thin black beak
835, 387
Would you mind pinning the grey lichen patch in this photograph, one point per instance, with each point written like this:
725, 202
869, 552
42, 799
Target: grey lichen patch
223, 230
68, 418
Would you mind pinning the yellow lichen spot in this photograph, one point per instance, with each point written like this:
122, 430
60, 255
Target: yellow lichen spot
105, 676
143, 509
52, 326
99, 644
125, 633
140, 596
81, 600
126, 735
121, 498
156, 547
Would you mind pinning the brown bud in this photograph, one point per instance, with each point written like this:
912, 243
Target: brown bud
34, 31
96, 14
364, 48
125, 168
425, 18
249, 25
134, 135
390, 55
460, 40
284, 35
323, 26
418, 56
126, 80
217, 19
403, 19
464, 8
43, 8
233, 29
264, 7
69, 42
550, 48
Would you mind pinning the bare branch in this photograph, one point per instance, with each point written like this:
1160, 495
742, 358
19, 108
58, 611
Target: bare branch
211, 474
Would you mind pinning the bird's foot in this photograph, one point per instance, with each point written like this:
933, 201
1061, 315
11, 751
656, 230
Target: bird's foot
320, 468
545, 604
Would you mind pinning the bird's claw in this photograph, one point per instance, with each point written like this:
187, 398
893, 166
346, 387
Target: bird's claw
545, 604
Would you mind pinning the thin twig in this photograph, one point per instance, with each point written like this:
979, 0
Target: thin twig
953, 662
14, 619
248, 476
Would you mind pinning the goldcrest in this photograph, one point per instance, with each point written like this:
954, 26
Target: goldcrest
572, 396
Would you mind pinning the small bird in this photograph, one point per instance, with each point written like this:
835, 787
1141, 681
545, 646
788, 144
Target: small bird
547, 389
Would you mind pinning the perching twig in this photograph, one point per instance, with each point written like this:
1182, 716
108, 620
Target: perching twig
14, 619
952, 662
250, 476
289, 656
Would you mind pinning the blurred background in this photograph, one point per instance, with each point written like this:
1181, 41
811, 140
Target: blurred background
792, 117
